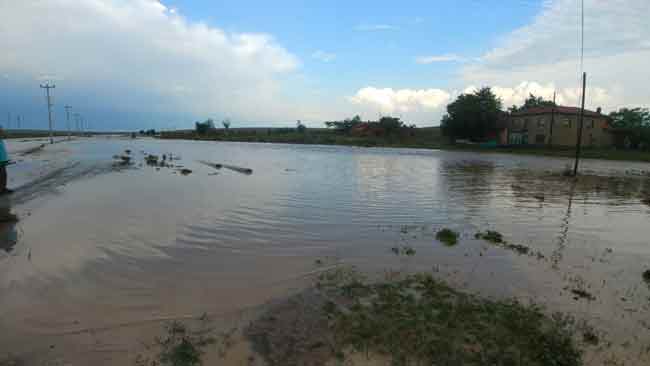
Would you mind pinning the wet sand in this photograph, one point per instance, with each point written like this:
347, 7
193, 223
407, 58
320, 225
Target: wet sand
104, 255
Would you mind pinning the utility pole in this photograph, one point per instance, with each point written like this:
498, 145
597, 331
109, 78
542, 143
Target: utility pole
18, 122
8, 120
550, 138
47, 86
67, 118
582, 115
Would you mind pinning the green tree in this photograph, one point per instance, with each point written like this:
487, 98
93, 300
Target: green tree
533, 102
226, 123
390, 124
203, 128
472, 115
300, 127
637, 120
346, 125
631, 118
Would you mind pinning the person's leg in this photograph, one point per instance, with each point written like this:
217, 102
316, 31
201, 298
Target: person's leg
3, 178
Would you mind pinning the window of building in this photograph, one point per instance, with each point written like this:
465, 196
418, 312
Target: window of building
541, 123
591, 124
567, 122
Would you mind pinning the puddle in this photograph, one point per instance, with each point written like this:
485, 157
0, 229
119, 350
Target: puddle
107, 250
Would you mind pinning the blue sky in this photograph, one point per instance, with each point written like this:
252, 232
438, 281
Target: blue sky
364, 55
131, 64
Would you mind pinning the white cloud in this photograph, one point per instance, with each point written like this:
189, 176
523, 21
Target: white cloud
388, 100
138, 54
439, 58
516, 95
547, 51
375, 27
323, 56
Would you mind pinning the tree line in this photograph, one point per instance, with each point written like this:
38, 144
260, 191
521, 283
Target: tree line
472, 115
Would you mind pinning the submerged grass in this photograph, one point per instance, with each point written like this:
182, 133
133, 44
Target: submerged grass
447, 236
418, 320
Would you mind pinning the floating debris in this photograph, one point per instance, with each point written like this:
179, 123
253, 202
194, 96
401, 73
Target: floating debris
122, 160
491, 236
151, 159
646, 276
185, 171
246, 171
496, 238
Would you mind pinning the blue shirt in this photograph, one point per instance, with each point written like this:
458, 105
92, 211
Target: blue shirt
4, 158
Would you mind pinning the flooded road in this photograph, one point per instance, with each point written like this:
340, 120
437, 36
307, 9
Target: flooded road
103, 253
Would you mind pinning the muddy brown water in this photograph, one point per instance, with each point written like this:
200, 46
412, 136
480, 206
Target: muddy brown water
102, 256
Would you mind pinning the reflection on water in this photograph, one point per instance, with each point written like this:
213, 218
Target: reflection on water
150, 242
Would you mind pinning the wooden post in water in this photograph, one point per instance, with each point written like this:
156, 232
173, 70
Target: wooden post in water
582, 116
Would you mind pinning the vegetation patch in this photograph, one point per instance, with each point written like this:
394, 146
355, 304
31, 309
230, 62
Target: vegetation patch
447, 236
581, 293
418, 320
179, 346
646, 276
403, 250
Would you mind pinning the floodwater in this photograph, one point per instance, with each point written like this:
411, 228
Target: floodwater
103, 254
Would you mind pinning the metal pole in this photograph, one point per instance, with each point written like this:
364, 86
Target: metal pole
67, 118
582, 115
550, 139
47, 88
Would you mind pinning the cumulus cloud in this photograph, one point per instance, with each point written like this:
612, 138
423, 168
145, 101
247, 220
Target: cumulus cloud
140, 55
388, 100
547, 52
439, 58
516, 95
323, 56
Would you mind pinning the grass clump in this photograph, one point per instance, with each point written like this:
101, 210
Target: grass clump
404, 250
447, 236
646, 276
418, 320
179, 346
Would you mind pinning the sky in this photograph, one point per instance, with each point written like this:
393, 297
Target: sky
139, 64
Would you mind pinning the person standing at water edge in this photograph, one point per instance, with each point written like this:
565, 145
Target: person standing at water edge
4, 161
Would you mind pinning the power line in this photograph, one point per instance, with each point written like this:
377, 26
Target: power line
47, 86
